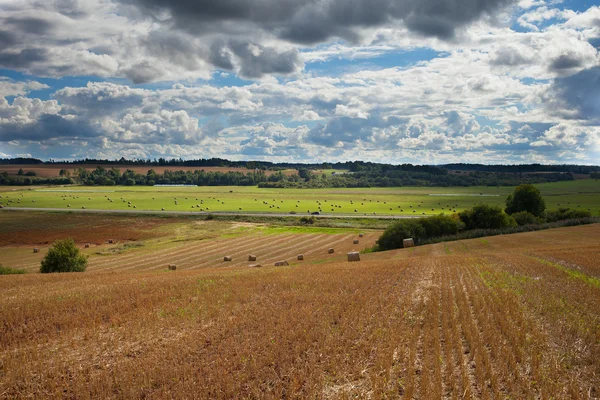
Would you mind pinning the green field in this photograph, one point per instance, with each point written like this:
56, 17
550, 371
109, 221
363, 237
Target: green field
582, 194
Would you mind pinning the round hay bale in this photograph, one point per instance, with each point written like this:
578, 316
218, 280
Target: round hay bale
331, 251
87, 245
406, 243
361, 234
300, 257
281, 264
355, 241
353, 256
251, 258
172, 267
36, 250
162, 209
110, 241
227, 258
254, 266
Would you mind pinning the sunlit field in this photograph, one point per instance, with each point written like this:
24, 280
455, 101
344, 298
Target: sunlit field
409, 201
515, 316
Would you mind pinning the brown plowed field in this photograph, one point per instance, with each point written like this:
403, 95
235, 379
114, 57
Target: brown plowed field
51, 171
515, 316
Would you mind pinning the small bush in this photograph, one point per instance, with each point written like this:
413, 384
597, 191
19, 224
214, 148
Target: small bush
566, 213
10, 271
441, 225
418, 229
483, 216
307, 220
64, 256
394, 235
210, 217
525, 218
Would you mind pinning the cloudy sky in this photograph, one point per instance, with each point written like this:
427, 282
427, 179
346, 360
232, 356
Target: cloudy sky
421, 81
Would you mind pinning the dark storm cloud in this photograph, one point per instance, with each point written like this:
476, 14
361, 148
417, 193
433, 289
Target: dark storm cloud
35, 26
47, 126
7, 40
565, 61
23, 59
309, 21
579, 92
257, 60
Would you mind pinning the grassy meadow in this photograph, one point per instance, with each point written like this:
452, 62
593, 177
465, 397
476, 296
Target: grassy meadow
409, 201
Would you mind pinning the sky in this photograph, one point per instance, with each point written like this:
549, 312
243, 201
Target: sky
395, 81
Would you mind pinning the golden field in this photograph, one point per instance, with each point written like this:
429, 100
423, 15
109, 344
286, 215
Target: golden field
515, 316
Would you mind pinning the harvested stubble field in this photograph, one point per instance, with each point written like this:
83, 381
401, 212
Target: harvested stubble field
152, 243
514, 316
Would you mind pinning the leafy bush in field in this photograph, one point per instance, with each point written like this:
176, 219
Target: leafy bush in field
441, 225
525, 218
566, 213
418, 229
10, 271
483, 216
394, 235
526, 198
307, 220
64, 256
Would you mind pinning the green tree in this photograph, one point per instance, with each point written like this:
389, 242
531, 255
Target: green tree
483, 216
64, 256
526, 198
21, 172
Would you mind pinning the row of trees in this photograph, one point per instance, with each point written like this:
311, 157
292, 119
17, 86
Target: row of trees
24, 180
525, 206
113, 176
396, 178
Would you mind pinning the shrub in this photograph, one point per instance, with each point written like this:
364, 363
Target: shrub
10, 271
484, 216
566, 213
307, 220
441, 225
418, 229
525, 218
64, 256
526, 198
394, 235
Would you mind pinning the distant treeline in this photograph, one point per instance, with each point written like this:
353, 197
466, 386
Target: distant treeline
352, 166
113, 176
396, 178
361, 174
306, 179
524, 168
9, 180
